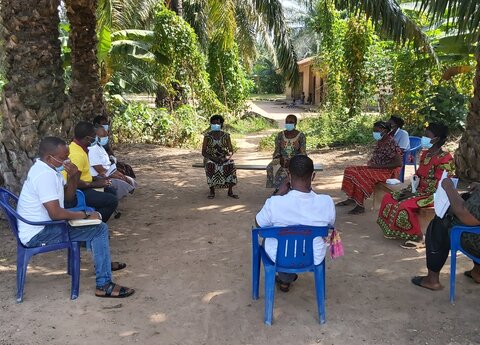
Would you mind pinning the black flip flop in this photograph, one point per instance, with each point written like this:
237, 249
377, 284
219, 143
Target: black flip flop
117, 266
211, 196
235, 196
417, 280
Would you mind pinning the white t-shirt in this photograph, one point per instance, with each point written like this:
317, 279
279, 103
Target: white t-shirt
402, 139
43, 184
98, 156
296, 208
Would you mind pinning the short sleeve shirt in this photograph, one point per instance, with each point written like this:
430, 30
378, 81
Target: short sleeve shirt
296, 208
402, 139
80, 158
43, 184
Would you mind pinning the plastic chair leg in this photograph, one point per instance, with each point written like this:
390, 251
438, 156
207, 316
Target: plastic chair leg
269, 294
320, 290
255, 274
75, 269
23, 257
69, 262
453, 270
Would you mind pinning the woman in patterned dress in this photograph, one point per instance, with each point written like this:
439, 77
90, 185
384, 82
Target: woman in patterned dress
359, 181
398, 214
288, 143
217, 150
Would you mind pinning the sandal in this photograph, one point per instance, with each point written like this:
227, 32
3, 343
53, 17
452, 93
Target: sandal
357, 210
117, 266
345, 202
231, 195
417, 280
112, 290
413, 245
211, 195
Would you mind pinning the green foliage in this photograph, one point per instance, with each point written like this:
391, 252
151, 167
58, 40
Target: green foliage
334, 128
181, 62
356, 44
227, 76
446, 105
251, 123
137, 123
267, 143
266, 78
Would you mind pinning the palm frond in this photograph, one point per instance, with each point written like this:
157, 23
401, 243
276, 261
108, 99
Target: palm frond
271, 12
222, 19
195, 13
389, 18
246, 34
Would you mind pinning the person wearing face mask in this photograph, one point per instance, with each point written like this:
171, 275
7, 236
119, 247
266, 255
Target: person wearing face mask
42, 199
400, 135
296, 203
100, 165
104, 202
122, 167
398, 214
386, 160
288, 143
217, 151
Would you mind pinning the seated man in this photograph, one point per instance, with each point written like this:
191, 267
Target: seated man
104, 202
399, 134
464, 210
101, 166
296, 204
42, 199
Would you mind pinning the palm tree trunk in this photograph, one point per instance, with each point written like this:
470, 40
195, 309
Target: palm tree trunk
33, 102
86, 94
177, 7
467, 156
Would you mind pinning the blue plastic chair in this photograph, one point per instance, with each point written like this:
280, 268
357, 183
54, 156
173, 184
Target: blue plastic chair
455, 245
294, 255
7, 199
81, 203
415, 146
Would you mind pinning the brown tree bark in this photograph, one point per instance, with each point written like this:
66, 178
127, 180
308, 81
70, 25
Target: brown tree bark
33, 101
467, 156
86, 94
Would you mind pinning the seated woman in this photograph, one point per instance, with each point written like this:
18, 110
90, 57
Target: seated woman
288, 144
217, 150
464, 210
100, 165
359, 181
397, 216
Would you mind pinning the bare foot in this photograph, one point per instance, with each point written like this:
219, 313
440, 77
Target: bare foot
474, 275
425, 282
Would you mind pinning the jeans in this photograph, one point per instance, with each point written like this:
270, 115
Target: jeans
104, 202
97, 235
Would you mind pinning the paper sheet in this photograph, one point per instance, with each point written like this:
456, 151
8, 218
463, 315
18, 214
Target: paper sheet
440, 198
111, 170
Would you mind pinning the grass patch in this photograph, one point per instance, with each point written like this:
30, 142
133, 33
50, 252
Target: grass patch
250, 123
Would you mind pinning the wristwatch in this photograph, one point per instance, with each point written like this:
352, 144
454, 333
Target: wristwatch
87, 214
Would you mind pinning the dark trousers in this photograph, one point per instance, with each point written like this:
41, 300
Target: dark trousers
437, 242
104, 202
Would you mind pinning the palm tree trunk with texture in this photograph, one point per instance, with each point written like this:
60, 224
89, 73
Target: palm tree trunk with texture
86, 94
467, 156
33, 101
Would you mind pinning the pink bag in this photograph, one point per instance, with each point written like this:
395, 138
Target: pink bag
336, 246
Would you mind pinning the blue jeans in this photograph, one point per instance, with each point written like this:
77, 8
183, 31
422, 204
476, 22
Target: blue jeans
104, 202
97, 235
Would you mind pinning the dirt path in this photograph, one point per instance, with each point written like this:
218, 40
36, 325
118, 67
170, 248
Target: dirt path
189, 259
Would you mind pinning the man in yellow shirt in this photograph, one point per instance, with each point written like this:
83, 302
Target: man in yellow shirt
104, 202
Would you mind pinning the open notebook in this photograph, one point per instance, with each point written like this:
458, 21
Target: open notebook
84, 222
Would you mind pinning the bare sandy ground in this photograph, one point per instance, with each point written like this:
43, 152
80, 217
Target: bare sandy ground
189, 259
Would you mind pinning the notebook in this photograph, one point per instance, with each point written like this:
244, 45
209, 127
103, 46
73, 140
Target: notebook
84, 222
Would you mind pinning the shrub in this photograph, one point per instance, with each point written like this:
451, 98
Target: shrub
251, 123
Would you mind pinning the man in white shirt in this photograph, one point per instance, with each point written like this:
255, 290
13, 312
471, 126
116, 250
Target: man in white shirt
295, 203
42, 199
400, 135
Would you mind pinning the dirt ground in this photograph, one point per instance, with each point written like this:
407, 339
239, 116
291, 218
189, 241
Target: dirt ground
189, 259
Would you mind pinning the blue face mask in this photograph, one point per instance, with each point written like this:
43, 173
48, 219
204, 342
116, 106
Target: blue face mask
377, 136
60, 168
215, 127
289, 126
103, 141
426, 142
105, 127
94, 142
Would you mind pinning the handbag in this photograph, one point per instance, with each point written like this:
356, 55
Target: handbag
336, 245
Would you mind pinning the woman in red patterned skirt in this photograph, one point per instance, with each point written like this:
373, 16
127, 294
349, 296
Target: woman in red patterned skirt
398, 214
386, 161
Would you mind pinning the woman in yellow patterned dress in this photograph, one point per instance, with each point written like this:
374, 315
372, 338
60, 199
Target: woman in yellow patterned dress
288, 143
398, 214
